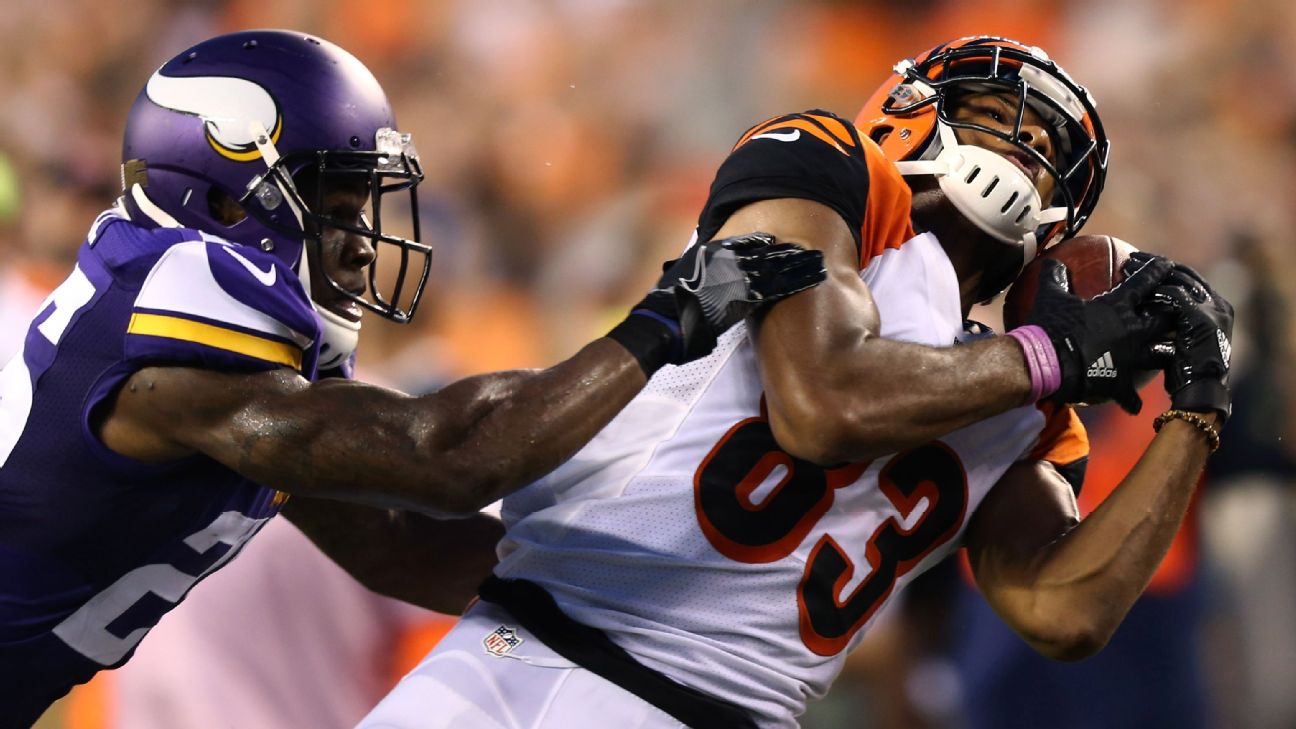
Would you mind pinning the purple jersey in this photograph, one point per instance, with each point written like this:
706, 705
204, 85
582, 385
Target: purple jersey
96, 547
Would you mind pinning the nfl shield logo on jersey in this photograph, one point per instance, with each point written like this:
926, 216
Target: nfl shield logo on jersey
501, 641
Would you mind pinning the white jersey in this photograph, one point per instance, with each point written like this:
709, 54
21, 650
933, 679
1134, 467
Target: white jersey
706, 552
720, 561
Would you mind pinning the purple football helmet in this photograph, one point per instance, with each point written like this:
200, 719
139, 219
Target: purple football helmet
241, 114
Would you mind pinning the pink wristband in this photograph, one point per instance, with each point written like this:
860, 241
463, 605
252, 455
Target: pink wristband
1041, 360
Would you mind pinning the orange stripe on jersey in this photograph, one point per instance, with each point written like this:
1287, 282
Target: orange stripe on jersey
757, 130
886, 216
808, 126
1063, 439
841, 135
835, 128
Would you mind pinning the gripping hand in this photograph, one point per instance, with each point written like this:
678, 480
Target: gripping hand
713, 286
1101, 343
1197, 378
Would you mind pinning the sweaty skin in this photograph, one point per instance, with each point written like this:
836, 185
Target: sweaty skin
450, 453
446, 454
1063, 584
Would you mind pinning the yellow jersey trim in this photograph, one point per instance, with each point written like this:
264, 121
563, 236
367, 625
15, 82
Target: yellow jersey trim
250, 345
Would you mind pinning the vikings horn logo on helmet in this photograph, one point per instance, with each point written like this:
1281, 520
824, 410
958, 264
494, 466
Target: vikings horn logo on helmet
227, 107
231, 118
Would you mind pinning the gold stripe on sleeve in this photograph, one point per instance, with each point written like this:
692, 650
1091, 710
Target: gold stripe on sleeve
250, 345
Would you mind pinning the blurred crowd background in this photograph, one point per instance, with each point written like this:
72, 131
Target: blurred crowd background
568, 146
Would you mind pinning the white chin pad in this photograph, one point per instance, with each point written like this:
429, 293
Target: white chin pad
339, 338
987, 188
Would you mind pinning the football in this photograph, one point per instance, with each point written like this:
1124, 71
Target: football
1094, 261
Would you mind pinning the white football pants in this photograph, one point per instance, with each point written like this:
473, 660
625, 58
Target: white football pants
463, 685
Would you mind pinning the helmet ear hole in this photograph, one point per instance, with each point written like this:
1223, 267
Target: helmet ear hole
223, 208
879, 134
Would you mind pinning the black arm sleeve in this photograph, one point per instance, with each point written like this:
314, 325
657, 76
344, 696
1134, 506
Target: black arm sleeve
815, 155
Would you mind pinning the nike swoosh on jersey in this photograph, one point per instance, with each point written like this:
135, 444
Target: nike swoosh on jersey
267, 277
791, 136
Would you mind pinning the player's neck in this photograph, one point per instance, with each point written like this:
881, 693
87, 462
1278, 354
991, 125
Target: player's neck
984, 265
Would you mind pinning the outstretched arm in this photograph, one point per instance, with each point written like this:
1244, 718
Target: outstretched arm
452, 452
1063, 584
469, 444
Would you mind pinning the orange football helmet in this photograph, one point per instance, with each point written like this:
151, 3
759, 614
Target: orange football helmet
911, 117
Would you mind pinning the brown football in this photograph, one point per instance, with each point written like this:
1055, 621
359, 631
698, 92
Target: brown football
1094, 262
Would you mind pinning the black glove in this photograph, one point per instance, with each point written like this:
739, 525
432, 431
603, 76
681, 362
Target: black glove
1197, 378
1102, 343
710, 288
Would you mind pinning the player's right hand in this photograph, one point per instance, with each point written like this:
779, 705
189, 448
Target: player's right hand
713, 286
1197, 378
1104, 342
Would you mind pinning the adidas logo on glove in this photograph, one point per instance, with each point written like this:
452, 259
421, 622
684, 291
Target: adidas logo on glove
1103, 366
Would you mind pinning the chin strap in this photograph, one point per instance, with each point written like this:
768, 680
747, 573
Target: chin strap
341, 335
149, 209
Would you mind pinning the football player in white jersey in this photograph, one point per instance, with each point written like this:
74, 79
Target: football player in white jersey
712, 555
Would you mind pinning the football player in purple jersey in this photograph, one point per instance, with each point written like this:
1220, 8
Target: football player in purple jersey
193, 369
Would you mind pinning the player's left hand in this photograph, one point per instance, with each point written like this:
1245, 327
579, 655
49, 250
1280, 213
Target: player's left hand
1197, 378
713, 286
